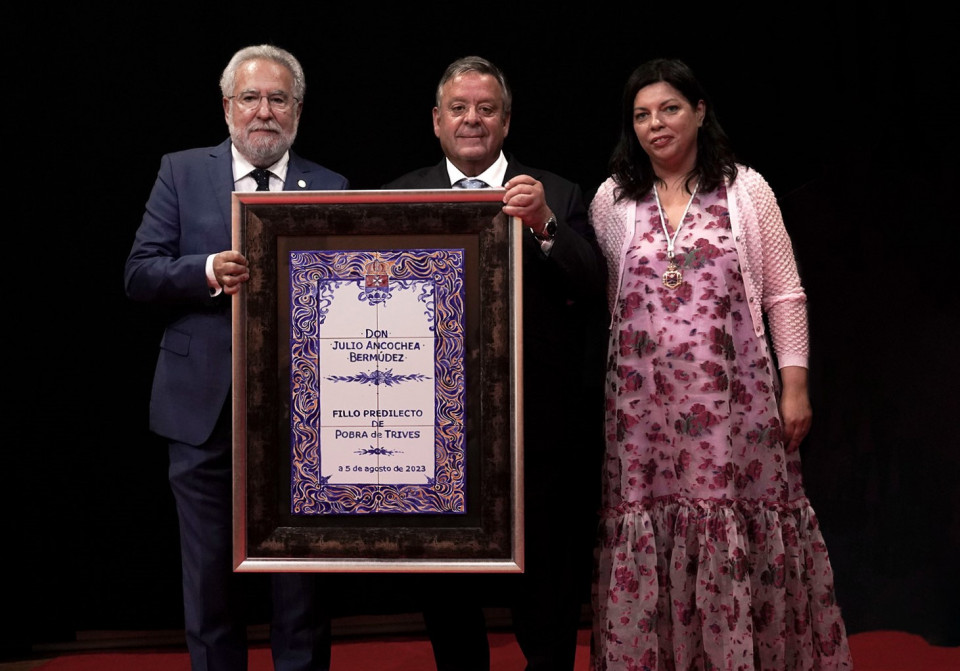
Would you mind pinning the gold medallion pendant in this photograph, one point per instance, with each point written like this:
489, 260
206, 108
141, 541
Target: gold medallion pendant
672, 276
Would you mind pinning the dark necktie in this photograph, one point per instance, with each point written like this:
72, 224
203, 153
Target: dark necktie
263, 179
470, 183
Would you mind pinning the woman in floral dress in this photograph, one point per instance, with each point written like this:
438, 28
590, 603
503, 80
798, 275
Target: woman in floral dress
711, 556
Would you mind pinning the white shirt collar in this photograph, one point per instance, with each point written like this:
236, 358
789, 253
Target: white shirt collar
493, 175
242, 181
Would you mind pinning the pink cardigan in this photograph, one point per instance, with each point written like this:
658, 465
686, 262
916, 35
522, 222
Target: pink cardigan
769, 268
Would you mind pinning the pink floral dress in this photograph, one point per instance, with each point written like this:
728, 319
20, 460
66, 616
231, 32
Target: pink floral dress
711, 555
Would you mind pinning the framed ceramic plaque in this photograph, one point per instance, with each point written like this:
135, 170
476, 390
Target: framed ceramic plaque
376, 375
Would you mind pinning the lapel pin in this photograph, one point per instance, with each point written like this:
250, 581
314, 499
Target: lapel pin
302, 184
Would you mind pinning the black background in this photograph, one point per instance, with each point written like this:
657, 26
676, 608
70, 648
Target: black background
849, 114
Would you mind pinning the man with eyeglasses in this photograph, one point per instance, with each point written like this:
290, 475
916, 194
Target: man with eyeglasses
564, 341
181, 260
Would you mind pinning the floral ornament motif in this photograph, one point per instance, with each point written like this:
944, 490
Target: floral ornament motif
378, 377
697, 422
378, 450
637, 342
721, 343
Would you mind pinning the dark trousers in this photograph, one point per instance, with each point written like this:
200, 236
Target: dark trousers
545, 606
215, 614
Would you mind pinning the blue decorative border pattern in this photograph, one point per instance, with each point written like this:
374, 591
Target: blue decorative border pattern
373, 278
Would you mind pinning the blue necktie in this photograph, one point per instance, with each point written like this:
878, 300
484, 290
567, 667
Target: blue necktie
263, 179
470, 183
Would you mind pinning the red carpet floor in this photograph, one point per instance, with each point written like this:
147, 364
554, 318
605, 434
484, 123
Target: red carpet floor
872, 651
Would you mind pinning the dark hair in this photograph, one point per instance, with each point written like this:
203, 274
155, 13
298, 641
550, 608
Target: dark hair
629, 163
484, 67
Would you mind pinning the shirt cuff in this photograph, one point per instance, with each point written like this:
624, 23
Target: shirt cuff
215, 288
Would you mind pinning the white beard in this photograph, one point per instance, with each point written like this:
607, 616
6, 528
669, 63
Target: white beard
264, 151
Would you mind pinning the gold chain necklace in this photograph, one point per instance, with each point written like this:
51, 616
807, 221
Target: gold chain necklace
673, 277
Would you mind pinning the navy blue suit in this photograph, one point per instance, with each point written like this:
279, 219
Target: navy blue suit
188, 217
564, 342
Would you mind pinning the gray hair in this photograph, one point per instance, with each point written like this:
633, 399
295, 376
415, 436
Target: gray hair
266, 52
484, 67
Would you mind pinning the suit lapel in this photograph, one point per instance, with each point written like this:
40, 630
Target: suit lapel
221, 183
439, 178
513, 169
221, 180
297, 170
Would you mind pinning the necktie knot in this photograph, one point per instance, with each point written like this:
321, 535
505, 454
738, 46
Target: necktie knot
470, 183
262, 177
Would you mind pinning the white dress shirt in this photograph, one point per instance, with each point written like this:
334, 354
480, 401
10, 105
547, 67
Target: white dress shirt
244, 181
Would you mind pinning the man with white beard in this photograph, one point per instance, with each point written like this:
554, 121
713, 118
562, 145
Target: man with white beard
181, 261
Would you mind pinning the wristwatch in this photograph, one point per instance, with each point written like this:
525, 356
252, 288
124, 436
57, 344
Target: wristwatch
549, 230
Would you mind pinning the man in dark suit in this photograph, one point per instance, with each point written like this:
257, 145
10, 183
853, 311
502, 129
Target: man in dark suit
564, 331
181, 259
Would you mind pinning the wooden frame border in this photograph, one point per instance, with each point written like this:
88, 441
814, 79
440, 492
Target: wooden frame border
267, 536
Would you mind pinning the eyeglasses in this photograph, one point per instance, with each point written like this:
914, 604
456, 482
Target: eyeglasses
250, 100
